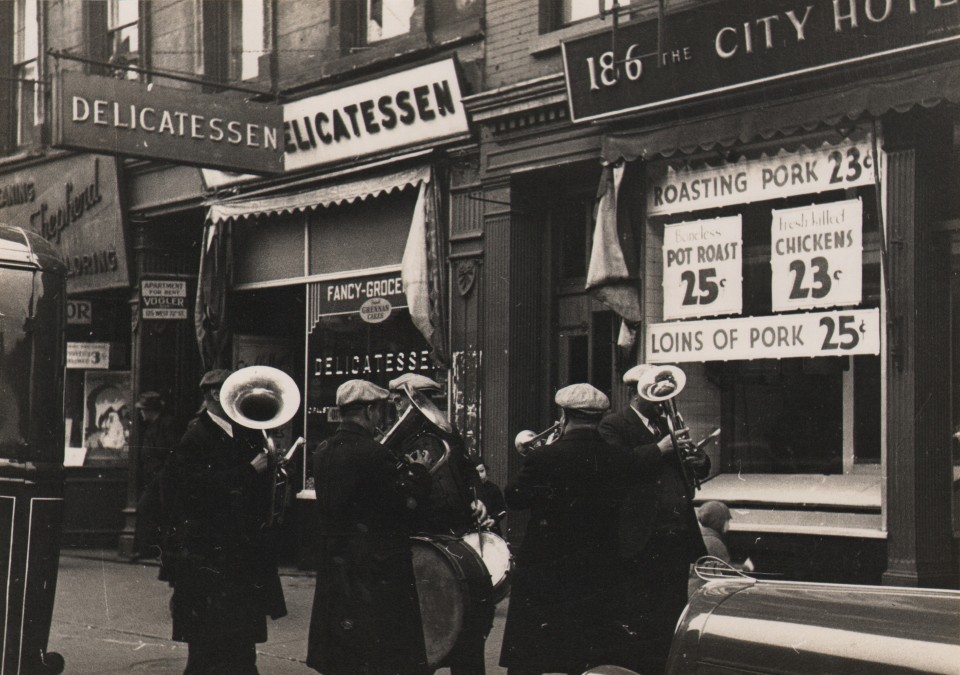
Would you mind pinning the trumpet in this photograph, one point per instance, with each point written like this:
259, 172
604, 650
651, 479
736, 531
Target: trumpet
261, 397
526, 440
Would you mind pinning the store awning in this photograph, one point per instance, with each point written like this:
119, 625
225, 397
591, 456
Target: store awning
925, 87
328, 195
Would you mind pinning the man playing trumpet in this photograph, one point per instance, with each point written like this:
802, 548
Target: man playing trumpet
659, 534
559, 614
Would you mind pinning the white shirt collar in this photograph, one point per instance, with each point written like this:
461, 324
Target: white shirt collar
643, 418
222, 423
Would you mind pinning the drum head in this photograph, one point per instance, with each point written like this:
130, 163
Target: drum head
494, 552
442, 603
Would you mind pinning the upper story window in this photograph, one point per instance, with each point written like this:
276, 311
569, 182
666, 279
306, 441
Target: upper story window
26, 50
388, 18
557, 14
123, 35
236, 34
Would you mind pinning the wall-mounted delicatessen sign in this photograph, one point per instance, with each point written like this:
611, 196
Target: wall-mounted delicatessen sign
73, 202
120, 117
719, 46
402, 109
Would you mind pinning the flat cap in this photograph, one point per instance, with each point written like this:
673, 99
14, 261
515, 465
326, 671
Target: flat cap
149, 400
421, 382
633, 375
583, 397
360, 391
214, 378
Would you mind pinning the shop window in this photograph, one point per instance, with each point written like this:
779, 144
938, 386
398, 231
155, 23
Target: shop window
236, 35
26, 49
817, 414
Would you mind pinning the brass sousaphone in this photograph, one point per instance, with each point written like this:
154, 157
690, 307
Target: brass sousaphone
421, 426
261, 397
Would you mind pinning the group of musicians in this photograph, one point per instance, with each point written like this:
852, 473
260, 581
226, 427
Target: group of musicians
600, 578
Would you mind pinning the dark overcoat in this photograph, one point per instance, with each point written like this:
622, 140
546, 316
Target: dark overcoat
659, 537
558, 619
223, 564
366, 613
638, 515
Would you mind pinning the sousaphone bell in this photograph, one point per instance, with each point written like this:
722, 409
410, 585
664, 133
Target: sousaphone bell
261, 397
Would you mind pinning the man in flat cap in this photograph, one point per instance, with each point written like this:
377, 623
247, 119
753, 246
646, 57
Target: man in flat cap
216, 493
366, 612
659, 534
454, 509
559, 599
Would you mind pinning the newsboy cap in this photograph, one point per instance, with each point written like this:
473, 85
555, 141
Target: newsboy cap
149, 400
421, 382
214, 378
360, 391
582, 397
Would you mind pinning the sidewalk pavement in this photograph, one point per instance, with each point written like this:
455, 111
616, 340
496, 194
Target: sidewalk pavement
112, 616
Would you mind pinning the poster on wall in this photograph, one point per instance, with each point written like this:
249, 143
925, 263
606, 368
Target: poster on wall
107, 409
816, 256
703, 268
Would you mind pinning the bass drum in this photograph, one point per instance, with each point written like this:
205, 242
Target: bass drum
496, 556
454, 590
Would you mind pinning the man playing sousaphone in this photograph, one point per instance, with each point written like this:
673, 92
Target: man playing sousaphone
659, 534
366, 615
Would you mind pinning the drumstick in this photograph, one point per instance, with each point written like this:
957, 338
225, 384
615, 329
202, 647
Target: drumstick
473, 489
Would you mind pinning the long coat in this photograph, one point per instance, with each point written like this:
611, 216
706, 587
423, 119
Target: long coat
558, 618
223, 564
638, 515
366, 613
656, 546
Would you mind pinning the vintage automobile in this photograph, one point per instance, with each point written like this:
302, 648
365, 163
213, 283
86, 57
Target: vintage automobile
740, 624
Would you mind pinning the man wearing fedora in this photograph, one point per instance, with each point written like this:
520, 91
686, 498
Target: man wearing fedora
159, 433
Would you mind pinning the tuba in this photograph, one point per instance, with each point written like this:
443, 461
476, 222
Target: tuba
421, 427
526, 440
662, 385
261, 397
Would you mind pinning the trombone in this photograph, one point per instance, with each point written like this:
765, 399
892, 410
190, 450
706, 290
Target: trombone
261, 397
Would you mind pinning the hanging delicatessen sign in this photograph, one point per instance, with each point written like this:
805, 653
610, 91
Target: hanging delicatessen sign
814, 251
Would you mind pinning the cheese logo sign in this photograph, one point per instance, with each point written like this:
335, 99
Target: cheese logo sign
702, 268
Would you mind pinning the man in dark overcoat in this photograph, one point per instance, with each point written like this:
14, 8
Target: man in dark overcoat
216, 491
558, 618
659, 534
366, 614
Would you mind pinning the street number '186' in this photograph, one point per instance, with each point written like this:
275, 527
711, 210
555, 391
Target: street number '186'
849, 334
605, 71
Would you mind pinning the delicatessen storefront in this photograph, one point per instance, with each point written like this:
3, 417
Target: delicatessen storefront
338, 274
793, 221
